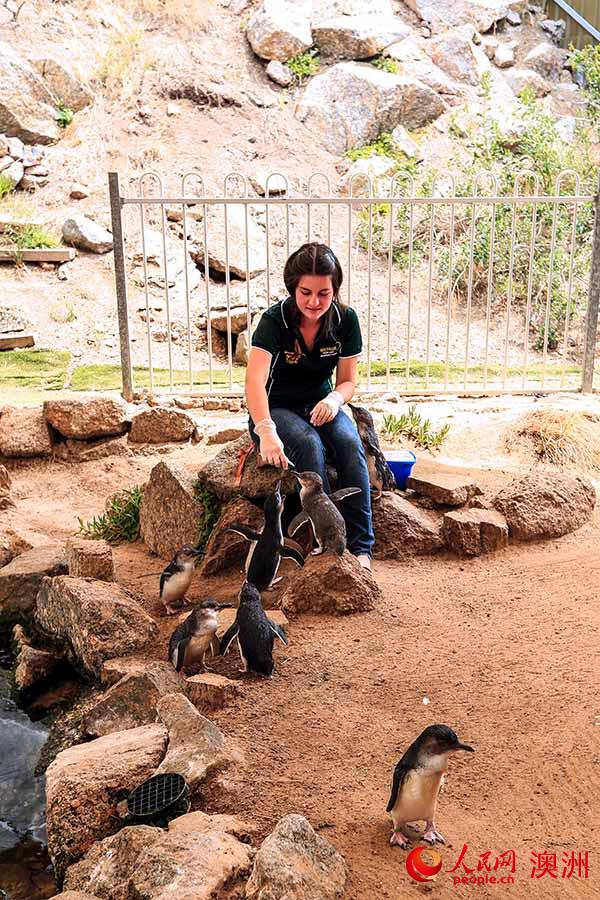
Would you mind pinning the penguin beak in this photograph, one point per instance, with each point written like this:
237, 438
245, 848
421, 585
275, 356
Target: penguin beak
466, 747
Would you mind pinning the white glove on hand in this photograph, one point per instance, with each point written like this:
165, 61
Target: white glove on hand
327, 409
271, 447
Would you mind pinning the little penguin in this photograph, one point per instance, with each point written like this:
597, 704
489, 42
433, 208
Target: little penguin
177, 577
380, 475
327, 522
255, 633
418, 778
193, 637
268, 546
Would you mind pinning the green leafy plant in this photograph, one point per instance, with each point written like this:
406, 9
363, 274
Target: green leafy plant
385, 64
6, 185
212, 510
587, 59
305, 64
120, 522
31, 237
411, 425
64, 115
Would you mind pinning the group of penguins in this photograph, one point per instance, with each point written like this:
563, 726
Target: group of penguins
254, 631
418, 776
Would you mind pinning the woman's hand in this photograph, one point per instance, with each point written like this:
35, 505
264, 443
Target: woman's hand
271, 447
327, 409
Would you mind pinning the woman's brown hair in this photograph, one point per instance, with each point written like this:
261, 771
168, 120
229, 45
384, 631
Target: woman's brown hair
314, 259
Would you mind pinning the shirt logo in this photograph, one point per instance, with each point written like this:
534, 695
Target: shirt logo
293, 356
331, 351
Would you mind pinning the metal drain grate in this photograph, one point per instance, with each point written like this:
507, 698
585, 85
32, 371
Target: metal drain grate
158, 794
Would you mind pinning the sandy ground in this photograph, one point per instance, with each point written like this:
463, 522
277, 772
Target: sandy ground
503, 649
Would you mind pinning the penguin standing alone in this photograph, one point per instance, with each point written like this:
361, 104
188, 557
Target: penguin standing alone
267, 546
193, 637
327, 522
177, 577
255, 633
380, 475
418, 778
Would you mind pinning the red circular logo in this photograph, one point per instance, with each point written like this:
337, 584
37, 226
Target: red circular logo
419, 868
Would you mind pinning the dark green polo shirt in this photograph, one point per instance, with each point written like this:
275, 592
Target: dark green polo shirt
302, 379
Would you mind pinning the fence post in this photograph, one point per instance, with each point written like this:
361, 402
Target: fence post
121, 284
591, 324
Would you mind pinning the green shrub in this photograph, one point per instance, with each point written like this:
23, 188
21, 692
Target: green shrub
212, 510
6, 185
413, 426
588, 60
31, 237
64, 115
303, 65
385, 64
120, 522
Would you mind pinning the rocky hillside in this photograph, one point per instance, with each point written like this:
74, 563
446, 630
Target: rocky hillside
343, 87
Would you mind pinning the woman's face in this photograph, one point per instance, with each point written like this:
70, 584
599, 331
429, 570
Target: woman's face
314, 296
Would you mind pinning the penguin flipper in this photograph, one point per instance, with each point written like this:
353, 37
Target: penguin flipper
178, 654
296, 522
278, 632
292, 552
249, 533
229, 636
344, 492
400, 775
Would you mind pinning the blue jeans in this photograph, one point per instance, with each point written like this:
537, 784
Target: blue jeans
306, 445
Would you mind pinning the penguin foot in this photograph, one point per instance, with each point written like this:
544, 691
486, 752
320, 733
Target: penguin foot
274, 582
399, 839
432, 835
316, 551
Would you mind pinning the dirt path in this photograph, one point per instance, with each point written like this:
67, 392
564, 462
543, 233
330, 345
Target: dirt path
504, 649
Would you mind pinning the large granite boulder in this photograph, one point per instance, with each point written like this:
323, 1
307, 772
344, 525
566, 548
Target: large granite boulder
455, 53
27, 106
90, 559
63, 83
547, 60
440, 15
92, 620
443, 488
471, 532
20, 580
331, 584
279, 29
226, 548
160, 426
85, 234
85, 783
402, 529
352, 103
170, 513
219, 475
236, 246
24, 433
91, 416
358, 37
296, 863
545, 505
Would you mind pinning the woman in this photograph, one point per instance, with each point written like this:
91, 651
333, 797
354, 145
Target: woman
294, 413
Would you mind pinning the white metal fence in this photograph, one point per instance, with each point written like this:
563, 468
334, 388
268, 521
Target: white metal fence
457, 290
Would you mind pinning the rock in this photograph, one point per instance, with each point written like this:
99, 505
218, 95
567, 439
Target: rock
444, 488
85, 783
330, 584
280, 29
454, 53
169, 511
352, 103
547, 60
440, 15
173, 109
295, 863
90, 559
23, 432
218, 475
236, 236
32, 183
16, 148
237, 320
519, 79
402, 529
220, 434
358, 37
78, 191
201, 822
31, 664
113, 670
370, 177
160, 865
504, 57
14, 173
90, 416
27, 107
6, 502
84, 234
74, 895
556, 28
20, 580
95, 620
100, 448
327, 9
133, 700
12, 544
161, 426
413, 62
242, 348
61, 82
264, 180
279, 73
471, 532
225, 549
403, 142
210, 691
196, 746
513, 18
545, 505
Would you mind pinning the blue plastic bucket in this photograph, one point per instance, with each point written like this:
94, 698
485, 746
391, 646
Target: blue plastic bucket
401, 463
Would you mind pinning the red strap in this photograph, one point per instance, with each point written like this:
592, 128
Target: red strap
242, 457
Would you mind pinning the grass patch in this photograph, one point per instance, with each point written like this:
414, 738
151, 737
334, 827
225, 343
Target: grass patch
64, 115
436, 371
6, 185
122, 68
385, 64
120, 522
565, 439
31, 237
212, 511
42, 369
108, 377
412, 425
303, 65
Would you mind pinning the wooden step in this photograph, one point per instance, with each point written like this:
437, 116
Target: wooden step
42, 254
